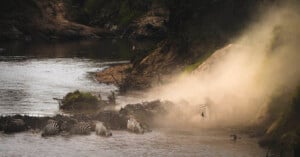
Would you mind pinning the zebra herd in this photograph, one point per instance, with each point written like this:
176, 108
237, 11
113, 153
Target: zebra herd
54, 127
79, 128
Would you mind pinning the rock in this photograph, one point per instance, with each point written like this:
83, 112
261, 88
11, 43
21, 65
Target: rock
51, 128
151, 25
81, 128
14, 125
144, 112
112, 119
68, 124
101, 130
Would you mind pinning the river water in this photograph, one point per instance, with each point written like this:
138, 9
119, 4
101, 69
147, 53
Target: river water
31, 75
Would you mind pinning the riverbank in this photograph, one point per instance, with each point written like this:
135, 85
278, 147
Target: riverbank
114, 74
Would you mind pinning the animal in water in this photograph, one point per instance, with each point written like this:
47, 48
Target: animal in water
202, 114
134, 126
112, 97
101, 130
81, 128
234, 137
51, 128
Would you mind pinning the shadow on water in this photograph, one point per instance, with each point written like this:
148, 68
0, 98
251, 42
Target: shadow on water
92, 49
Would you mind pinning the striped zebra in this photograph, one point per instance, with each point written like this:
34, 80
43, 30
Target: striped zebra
81, 128
52, 128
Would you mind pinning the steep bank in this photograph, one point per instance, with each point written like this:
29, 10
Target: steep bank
195, 29
274, 50
75, 19
40, 20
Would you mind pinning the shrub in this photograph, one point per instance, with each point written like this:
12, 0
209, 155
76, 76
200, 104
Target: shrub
79, 101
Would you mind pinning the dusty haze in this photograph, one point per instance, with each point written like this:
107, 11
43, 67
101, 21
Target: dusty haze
236, 83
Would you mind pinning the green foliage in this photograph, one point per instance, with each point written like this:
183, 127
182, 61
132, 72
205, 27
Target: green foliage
79, 101
100, 12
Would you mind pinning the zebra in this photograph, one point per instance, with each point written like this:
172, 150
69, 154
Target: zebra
81, 128
101, 130
52, 128
134, 126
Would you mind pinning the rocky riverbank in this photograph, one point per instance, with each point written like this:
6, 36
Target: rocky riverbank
115, 74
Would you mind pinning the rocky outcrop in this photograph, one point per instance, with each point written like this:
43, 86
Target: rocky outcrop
14, 125
144, 112
152, 25
111, 119
114, 74
41, 20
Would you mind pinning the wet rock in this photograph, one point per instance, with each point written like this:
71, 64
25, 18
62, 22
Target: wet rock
101, 130
112, 119
144, 112
14, 125
67, 125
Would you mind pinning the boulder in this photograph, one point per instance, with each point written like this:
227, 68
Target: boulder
14, 125
144, 112
112, 119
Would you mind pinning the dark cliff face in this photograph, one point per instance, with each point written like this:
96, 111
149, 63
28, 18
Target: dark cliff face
188, 20
16, 16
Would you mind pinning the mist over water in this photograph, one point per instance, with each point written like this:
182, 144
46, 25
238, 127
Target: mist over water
236, 83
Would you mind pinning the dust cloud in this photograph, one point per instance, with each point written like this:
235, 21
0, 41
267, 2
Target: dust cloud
234, 85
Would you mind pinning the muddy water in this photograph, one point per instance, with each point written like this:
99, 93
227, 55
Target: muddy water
156, 143
32, 75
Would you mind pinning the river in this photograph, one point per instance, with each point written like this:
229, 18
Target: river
31, 75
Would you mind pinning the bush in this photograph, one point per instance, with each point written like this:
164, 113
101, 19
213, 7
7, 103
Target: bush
79, 101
